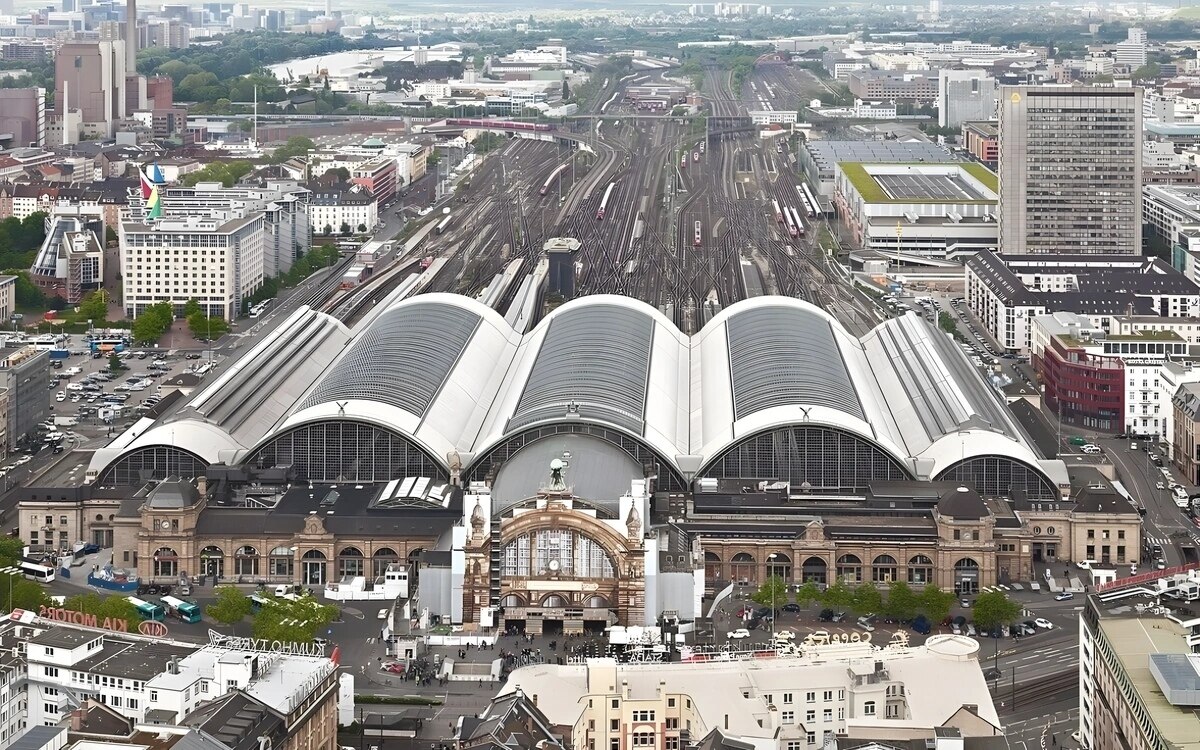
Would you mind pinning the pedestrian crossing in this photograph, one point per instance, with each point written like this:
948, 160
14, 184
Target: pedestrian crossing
1161, 541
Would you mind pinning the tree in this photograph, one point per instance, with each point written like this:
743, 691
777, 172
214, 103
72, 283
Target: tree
362, 228
27, 294
114, 607
345, 228
295, 146
292, 621
94, 307
901, 601
328, 230
837, 596
936, 603
773, 593
867, 599
191, 307
341, 173
231, 606
566, 91
11, 551
110, 237
993, 608
203, 327
808, 593
114, 363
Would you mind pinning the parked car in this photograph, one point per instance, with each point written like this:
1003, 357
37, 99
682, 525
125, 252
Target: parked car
826, 615
738, 634
1043, 623
791, 607
1090, 448
1064, 596
921, 625
965, 602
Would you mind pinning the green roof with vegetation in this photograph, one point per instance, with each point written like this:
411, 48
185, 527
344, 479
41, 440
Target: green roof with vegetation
872, 192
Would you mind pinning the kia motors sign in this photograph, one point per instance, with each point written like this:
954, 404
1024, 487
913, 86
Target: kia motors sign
153, 628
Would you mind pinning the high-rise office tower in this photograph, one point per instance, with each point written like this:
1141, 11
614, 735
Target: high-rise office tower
1070, 169
965, 96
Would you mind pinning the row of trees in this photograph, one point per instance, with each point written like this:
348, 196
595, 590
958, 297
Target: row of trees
901, 601
284, 620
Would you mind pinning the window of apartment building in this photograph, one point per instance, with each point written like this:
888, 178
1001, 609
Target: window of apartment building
614, 744
616, 703
33, 538
869, 708
828, 695
1121, 552
670, 703
643, 739
49, 520
787, 699
50, 692
50, 708
643, 716
49, 651
1090, 551
788, 717
671, 743
614, 725
62, 520
672, 722
51, 671
810, 697
1091, 534
891, 711
812, 738
153, 696
795, 745
133, 703
770, 699
841, 695
1120, 533
827, 715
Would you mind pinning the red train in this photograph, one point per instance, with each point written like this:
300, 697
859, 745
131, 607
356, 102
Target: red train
500, 124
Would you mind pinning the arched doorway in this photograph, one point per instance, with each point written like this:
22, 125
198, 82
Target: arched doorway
743, 568
966, 576
712, 567
350, 563
414, 567
166, 563
313, 567
779, 565
383, 557
849, 569
815, 569
883, 569
920, 570
212, 562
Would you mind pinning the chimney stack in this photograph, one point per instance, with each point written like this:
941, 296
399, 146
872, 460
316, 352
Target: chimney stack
131, 37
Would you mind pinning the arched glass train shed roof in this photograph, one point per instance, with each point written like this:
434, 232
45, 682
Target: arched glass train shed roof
448, 376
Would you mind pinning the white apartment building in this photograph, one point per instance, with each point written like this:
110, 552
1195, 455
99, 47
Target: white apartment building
13, 714
330, 208
787, 703
216, 261
1159, 155
283, 205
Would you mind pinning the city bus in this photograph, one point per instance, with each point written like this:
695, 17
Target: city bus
185, 611
146, 610
36, 572
257, 603
107, 345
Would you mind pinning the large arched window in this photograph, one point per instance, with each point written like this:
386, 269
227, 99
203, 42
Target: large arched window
1000, 476
743, 568
557, 552
245, 561
166, 563
780, 566
883, 569
920, 570
966, 576
343, 450
813, 458
815, 569
712, 566
350, 562
383, 557
313, 567
282, 564
212, 562
849, 569
155, 462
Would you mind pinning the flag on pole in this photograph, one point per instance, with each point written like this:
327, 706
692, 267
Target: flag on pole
158, 175
152, 198
147, 186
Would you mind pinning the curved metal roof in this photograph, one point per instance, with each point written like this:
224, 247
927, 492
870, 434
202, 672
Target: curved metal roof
782, 355
594, 364
402, 359
448, 372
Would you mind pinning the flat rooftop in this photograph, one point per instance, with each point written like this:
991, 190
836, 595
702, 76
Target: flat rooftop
967, 182
1134, 639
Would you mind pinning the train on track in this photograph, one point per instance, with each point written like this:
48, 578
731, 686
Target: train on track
536, 127
604, 201
793, 227
696, 242
443, 224
550, 180
683, 162
778, 212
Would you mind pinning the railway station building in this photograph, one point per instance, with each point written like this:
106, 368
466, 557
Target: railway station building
602, 461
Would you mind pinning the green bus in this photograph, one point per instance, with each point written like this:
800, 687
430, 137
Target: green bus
146, 610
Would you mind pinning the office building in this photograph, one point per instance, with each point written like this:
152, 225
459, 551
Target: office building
1006, 291
1070, 170
379, 177
70, 262
22, 118
1132, 53
926, 210
1138, 672
964, 96
982, 140
24, 373
91, 77
886, 85
896, 693
215, 260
